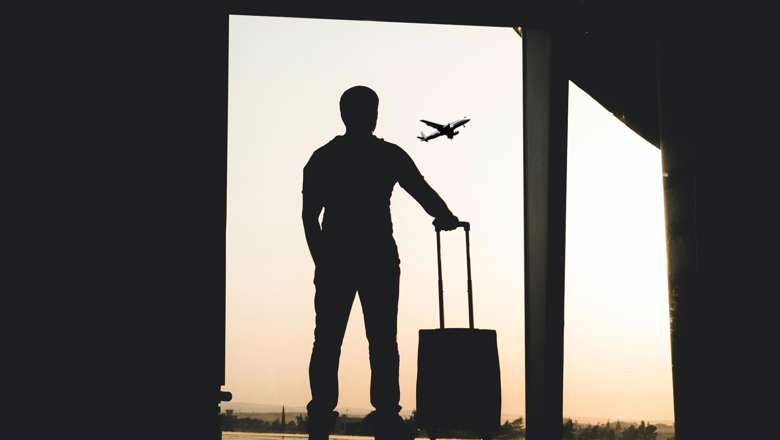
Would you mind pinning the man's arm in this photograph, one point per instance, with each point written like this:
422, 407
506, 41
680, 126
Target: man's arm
312, 206
414, 183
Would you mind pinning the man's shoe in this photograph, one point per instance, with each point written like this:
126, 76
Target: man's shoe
388, 427
319, 427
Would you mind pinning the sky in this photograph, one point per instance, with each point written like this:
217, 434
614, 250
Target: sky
285, 79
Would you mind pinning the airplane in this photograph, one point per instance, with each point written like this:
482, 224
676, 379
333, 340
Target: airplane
446, 130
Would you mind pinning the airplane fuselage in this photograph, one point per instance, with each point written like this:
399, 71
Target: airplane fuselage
449, 129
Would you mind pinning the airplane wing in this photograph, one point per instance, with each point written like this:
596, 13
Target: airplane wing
432, 124
430, 136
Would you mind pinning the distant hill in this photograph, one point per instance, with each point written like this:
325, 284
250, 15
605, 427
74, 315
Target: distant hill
264, 410
246, 407
598, 420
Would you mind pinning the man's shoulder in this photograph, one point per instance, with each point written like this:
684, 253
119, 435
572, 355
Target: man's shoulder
387, 144
392, 148
322, 152
328, 146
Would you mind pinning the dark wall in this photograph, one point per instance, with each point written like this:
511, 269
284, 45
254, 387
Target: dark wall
536, 13
121, 196
721, 196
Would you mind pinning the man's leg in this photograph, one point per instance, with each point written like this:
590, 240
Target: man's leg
332, 303
378, 292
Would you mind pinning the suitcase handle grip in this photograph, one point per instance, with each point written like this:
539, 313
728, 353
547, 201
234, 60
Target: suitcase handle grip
466, 227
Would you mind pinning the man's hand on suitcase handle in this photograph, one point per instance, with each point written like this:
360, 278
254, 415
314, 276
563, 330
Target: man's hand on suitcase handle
449, 224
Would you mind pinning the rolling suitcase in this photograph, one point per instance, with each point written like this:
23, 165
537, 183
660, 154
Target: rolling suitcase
458, 375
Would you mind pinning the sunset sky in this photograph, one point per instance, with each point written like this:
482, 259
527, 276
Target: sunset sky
285, 79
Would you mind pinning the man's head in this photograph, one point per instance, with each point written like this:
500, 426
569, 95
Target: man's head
359, 106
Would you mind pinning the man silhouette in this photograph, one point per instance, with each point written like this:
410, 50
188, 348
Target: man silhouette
352, 178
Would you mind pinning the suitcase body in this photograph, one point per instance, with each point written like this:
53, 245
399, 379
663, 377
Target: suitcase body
458, 375
458, 382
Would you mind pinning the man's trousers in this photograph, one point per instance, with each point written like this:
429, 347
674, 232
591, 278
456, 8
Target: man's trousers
376, 281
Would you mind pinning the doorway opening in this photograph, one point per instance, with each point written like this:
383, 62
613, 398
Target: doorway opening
617, 355
285, 79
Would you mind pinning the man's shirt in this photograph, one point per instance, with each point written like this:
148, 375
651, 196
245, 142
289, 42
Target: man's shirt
353, 179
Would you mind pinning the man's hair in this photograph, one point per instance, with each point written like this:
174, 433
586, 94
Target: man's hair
359, 108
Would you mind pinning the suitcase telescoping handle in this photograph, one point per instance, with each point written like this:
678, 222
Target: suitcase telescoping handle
466, 227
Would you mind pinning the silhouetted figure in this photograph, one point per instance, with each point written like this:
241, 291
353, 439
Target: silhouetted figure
352, 178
